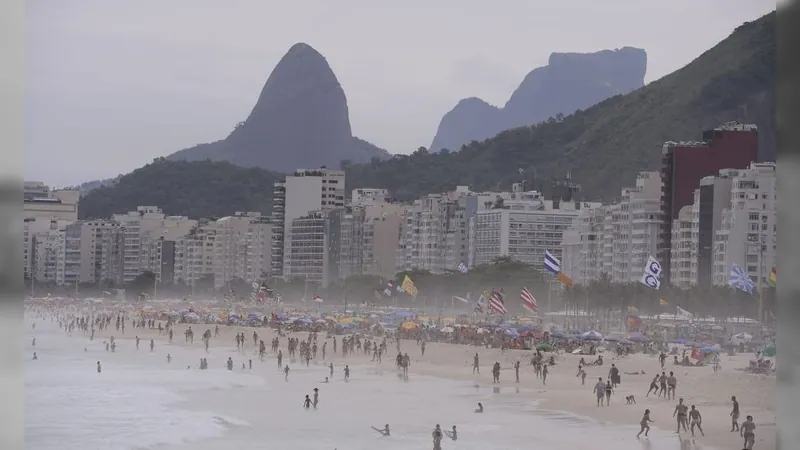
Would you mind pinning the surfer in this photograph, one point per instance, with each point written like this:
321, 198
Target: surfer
384, 431
453, 435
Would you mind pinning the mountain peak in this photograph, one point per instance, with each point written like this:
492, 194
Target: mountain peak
300, 119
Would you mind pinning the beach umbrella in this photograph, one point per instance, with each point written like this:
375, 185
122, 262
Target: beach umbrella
710, 349
448, 329
769, 351
511, 332
591, 336
544, 347
638, 337
402, 314
408, 325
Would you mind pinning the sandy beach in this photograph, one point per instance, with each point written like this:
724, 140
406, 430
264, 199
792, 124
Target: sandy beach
698, 386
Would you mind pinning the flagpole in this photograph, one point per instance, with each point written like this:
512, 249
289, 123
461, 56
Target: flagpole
760, 281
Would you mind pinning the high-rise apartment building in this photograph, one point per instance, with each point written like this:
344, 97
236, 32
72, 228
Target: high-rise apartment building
315, 242
40, 201
684, 164
301, 193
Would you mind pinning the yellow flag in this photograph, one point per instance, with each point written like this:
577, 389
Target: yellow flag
409, 287
565, 279
662, 302
633, 309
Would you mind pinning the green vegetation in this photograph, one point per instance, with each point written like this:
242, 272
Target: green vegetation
606, 145
195, 189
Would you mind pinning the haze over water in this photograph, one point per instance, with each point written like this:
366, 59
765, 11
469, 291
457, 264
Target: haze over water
141, 402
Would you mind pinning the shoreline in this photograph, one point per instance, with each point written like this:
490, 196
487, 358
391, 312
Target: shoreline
563, 393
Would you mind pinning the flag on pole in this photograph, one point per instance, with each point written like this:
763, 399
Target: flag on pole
462, 267
682, 313
528, 301
738, 279
662, 302
565, 279
497, 304
317, 298
551, 263
408, 287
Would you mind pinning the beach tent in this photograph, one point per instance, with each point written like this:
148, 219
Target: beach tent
591, 336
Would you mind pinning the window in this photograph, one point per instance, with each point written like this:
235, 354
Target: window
753, 216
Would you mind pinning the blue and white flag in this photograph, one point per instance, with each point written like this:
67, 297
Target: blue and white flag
462, 267
738, 279
551, 263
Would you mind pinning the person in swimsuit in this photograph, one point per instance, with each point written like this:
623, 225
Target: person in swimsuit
695, 420
645, 423
748, 433
735, 415
653, 387
609, 390
452, 434
599, 390
307, 402
437, 437
384, 431
680, 412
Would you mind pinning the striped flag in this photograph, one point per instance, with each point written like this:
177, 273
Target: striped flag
462, 267
528, 302
551, 263
497, 304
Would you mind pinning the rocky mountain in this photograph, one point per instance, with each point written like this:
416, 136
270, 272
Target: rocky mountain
605, 145
569, 82
300, 120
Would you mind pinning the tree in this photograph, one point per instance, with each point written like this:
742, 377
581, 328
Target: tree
143, 283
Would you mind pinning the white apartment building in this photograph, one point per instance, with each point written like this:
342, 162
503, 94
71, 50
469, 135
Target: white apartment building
683, 259
616, 239
749, 233
30, 228
523, 229
48, 254
313, 254
102, 252
143, 228
383, 230
436, 232
242, 248
194, 255
301, 193
367, 196
40, 201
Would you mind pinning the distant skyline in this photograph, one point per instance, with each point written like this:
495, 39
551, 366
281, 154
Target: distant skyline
112, 85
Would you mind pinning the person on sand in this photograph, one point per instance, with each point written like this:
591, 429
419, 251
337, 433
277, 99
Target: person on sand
662, 381
496, 372
516, 370
748, 433
169, 358
609, 390
545, 371
680, 412
672, 383
385, 431
453, 435
286, 373
653, 387
479, 409
475, 367
600, 390
437, 437
645, 424
696, 420
735, 415
99, 368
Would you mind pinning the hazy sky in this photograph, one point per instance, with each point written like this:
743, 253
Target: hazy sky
113, 84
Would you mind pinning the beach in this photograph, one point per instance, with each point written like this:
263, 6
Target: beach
140, 401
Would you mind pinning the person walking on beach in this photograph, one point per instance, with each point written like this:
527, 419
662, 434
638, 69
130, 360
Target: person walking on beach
644, 423
545, 371
286, 373
496, 372
672, 383
748, 433
516, 370
599, 390
735, 415
475, 366
437, 437
280, 358
609, 390
152, 344
346, 373
169, 358
662, 380
653, 387
137, 342
99, 368
680, 412
613, 375
331, 368
696, 420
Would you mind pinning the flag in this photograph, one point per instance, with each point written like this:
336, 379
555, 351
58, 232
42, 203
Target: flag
773, 277
738, 279
408, 287
317, 298
680, 312
633, 309
528, 302
650, 280
497, 304
462, 267
551, 263
662, 302
565, 279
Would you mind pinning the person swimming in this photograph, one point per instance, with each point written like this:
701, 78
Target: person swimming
384, 431
480, 408
452, 434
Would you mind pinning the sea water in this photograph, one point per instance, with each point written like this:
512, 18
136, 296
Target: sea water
139, 401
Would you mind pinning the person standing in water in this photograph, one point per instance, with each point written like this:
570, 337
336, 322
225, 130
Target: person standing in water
286, 373
696, 420
645, 424
545, 371
99, 368
437, 437
479, 409
34, 356
307, 402
600, 390
346, 373
453, 435
152, 345
280, 358
680, 412
316, 397
475, 367
748, 433
169, 358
